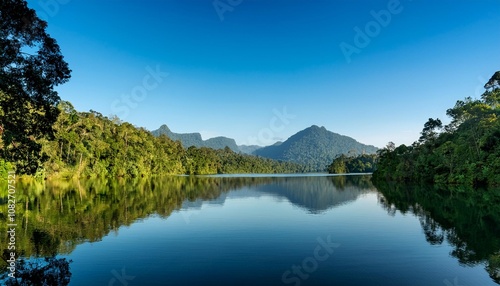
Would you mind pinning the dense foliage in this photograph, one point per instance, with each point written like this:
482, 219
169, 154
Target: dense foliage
315, 147
343, 164
466, 151
31, 65
88, 144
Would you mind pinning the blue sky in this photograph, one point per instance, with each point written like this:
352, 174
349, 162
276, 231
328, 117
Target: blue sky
259, 71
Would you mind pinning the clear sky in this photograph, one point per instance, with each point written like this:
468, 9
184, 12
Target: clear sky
259, 71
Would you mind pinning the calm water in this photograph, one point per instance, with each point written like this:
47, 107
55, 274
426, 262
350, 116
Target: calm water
304, 230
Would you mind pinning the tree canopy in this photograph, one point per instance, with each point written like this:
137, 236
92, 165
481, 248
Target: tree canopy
364, 163
90, 144
31, 65
466, 151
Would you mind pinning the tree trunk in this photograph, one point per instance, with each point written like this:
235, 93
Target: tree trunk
27, 215
67, 154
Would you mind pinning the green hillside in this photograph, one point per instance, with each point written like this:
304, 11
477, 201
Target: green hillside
315, 147
88, 144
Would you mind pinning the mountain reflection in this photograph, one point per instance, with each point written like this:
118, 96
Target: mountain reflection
314, 194
317, 194
57, 216
54, 217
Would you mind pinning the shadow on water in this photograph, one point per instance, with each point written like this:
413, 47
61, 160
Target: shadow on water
468, 219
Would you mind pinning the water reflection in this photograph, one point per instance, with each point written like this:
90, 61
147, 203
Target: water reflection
314, 194
320, 194
54, 217
469, 220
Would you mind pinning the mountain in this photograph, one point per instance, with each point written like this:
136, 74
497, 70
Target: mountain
314, 147
194, 139
248, 149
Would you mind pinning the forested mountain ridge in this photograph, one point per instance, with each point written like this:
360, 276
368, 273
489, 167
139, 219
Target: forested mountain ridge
88, 144
466, 151
315, 147
194, 139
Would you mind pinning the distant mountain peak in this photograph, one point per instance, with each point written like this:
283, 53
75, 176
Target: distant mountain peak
164, 127
315, 147
313, 129
194, 139
316, 127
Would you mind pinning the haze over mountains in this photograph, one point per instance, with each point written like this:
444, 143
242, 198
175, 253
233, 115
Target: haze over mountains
194, 139
314, 147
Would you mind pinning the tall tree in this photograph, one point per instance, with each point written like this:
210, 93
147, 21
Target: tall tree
31, 65
429, 133
492, 94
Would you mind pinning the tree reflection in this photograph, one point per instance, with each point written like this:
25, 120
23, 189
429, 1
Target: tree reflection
54, 217
40, 272
434, 234
469, 220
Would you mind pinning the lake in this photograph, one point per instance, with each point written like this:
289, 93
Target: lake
261, 230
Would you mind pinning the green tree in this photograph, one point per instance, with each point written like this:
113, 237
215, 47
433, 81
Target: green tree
31, 65
364, 163
338, 166
429, 131
492, 94
466, 151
